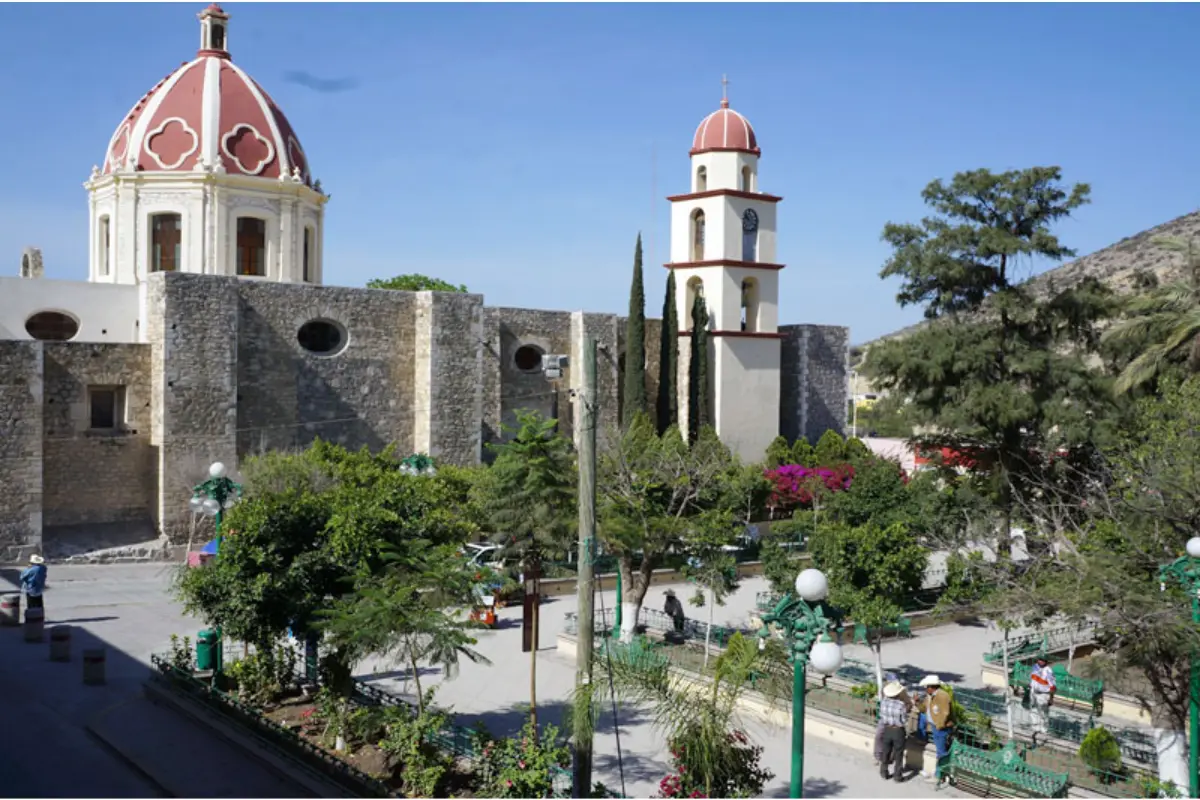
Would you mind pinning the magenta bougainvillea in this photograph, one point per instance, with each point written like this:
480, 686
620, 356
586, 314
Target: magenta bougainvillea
793, 485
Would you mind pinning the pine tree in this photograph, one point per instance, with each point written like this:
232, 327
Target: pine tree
779, 452
698, 415
668, 361
634, 401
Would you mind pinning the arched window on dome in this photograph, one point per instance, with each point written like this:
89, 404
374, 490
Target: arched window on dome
747, 179
749, 305
701, 179
697, 235
103, 246
251, 246
695, 287
166, 239
307, 263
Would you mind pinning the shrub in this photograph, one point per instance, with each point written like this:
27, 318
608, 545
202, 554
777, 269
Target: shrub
732, 770
182, 656
410, 742
265, 674
1101, 751
522, 765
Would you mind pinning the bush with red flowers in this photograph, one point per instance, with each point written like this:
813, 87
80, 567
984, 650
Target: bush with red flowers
793, 485
731, 769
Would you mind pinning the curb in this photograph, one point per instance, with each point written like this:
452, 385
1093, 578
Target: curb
129, 761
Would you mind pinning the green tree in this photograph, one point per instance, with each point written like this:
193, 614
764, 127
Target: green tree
711, 566
830, 450
649, 489
698, 720
856, 452
529, 497
698, 414
409, 612
872, 571
778, 453
415, 283
668, 360
1162, 324
802, 453
634, 398
999, 375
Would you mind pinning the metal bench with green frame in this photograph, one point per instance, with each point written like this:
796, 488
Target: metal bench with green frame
902, 628
981, 771
1069, 686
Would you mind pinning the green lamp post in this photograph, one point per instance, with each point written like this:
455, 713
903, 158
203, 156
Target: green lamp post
806, 627
212, 498
1185, 571
418, 464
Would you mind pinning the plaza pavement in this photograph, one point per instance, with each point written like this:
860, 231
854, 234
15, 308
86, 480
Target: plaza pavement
119, 745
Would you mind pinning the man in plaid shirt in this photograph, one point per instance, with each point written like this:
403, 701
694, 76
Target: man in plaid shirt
894, 708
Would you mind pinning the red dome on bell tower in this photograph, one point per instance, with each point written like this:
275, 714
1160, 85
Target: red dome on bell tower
725, 130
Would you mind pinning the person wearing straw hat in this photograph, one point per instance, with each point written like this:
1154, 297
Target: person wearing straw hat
937, 716
33, 581
893, 715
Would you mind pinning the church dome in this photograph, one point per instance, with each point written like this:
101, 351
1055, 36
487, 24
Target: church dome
208, 114
725, 129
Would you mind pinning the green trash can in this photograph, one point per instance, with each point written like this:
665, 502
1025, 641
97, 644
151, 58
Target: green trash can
208, 650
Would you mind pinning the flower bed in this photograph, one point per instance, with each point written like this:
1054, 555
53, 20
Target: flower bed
376, 744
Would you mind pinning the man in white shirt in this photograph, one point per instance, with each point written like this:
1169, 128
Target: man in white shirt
1041, 694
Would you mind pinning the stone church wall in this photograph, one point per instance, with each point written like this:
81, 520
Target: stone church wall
95, 477
447, 392
21, 403
507, 388
815, 380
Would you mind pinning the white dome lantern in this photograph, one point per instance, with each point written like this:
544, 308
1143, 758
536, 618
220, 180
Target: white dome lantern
812, 585
217, 470
826, 657
1193, 547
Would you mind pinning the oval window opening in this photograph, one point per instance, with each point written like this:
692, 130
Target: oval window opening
322, 337
52, 326
528, 358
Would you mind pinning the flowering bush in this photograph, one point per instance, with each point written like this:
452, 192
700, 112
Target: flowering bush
793, 485
524, 765
733, 770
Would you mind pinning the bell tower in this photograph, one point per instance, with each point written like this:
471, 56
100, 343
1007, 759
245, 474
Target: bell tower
723, 246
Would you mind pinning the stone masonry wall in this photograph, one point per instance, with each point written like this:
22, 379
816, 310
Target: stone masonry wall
508, 389
814, 378
97, 477
197, 407
448, 401
287, 397
21, 402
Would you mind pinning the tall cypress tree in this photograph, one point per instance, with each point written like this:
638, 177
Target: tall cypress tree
668, 361
698, 415
635, 344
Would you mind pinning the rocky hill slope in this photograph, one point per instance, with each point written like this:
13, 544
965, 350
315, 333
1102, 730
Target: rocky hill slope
1115, 265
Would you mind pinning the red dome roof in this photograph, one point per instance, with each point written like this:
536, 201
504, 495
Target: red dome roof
725, 129
205, 113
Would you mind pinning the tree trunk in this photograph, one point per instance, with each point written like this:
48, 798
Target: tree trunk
1172, 748
412, 660
877, 646
635, 592
1008, 695
712, 610
533, 652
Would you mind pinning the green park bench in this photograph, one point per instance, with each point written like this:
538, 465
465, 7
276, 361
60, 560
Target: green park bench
902, 629
1004, 771
1072, 687
1018, 649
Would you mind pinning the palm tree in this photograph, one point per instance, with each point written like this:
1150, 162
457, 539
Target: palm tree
1163, 324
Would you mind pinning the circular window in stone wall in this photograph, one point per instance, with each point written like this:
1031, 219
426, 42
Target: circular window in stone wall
322, 337
528, 358
52, 326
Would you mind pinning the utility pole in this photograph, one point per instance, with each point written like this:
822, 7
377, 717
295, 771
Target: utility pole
586, 586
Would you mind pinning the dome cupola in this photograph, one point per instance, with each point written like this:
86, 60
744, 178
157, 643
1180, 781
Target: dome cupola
725, 130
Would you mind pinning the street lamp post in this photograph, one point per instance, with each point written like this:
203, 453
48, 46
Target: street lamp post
803, 621
212, 498
418, 464
1185, 571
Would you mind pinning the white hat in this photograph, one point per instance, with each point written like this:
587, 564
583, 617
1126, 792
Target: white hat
893, 689
36, 559
931, 680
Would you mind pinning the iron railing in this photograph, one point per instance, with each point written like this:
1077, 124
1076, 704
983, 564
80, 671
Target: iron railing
1035, 643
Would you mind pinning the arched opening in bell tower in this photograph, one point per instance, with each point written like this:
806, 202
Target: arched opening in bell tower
747, 179
697, 236
695, 288
701, 179
750, 305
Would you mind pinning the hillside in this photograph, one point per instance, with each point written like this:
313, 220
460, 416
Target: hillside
1115, 265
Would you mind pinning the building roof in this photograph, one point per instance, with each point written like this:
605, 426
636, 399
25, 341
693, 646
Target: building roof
725, 129
210, 114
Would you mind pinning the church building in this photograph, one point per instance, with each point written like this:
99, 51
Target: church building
211, 328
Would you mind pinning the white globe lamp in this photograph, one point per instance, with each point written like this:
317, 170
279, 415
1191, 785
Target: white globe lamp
196, 504
1193, 547
812, 585
217, 470
211, 507
826, 657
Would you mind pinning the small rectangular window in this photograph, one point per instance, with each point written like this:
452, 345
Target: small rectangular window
165, 241
307, 267
104, 245
251, 246
105, 407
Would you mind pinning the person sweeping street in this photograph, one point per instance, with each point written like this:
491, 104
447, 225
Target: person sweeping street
674, 609
33, 581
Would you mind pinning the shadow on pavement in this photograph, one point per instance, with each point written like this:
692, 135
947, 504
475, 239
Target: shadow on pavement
813, 787
910, 674
635, 768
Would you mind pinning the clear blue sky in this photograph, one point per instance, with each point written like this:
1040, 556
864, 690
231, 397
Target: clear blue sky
511, 147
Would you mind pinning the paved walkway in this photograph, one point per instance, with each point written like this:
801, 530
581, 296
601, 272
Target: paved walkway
65, 739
